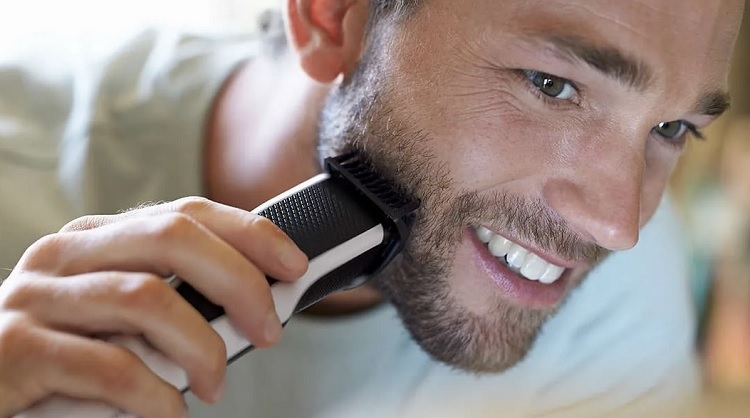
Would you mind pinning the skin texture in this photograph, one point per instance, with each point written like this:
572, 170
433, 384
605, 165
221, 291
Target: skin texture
104, 274
440, 106
456, 123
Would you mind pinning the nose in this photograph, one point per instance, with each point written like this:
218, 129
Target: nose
599, 196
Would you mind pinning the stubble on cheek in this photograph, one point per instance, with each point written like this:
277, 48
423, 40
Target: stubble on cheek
406, 143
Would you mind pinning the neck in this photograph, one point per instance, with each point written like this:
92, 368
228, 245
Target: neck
262, 140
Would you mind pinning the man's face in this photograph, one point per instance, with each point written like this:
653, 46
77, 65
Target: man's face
539, 136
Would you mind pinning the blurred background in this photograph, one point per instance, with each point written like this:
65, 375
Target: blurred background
712, 187
711, 184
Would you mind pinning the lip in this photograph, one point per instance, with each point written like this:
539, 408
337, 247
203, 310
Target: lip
516, 289
550, 258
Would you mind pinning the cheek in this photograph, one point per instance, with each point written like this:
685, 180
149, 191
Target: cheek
480, 124
500, 147
660, 163
492, 135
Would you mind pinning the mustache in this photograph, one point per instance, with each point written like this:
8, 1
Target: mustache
529, 220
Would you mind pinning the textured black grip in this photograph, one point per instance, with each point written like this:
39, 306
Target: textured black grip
317, 219
322, 216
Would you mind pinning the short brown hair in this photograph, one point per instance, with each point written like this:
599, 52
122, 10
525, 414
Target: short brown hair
398, 8
391, 11
271, 22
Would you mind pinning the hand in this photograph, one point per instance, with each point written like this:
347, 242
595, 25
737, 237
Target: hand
105, 275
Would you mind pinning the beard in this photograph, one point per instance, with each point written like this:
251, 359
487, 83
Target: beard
360, 115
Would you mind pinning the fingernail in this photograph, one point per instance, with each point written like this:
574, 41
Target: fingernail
292, 258
272, 330
219, 394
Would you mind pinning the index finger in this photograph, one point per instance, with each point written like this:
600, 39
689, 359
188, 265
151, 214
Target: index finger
255, 237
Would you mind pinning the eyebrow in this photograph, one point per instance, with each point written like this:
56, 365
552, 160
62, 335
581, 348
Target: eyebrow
713, 104
610, 61
624, 68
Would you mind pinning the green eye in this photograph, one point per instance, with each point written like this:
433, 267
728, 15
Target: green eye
551, 85
671, 130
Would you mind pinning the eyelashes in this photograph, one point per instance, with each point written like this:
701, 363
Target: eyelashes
677, 133
554, 91
558, 92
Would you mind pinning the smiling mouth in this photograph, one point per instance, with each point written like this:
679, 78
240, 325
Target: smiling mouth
518, 259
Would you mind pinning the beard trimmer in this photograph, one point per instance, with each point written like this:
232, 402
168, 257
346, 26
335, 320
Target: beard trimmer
349, 221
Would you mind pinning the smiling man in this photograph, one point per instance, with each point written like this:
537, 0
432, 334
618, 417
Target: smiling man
544, 276
539, 137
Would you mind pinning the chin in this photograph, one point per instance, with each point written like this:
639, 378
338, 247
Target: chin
484, 315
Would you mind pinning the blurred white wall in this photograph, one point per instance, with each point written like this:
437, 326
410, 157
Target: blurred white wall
98, 22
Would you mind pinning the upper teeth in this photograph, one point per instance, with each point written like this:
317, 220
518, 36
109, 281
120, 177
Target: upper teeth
528, 264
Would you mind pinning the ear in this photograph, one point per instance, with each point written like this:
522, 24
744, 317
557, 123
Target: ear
328, 35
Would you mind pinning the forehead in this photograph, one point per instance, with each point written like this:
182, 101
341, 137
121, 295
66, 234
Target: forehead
693, 35
668, 27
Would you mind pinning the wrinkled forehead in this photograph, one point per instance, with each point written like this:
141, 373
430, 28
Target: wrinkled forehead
699, 28
665, 32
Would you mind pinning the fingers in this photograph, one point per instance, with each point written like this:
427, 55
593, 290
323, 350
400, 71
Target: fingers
129, 303
174, 243
90, 369
252, 235
42, 362
104, 274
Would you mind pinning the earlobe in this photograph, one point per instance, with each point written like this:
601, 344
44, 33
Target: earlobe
326, 42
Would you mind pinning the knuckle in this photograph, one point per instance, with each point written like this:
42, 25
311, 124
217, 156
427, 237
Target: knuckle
44, 253
175, 227
118, 373
19, 293
192, 204
145, 292
19, 353
83, 223
263, 226
17, 342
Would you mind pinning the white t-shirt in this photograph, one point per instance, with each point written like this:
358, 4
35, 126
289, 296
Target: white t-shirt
77, 139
